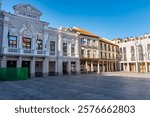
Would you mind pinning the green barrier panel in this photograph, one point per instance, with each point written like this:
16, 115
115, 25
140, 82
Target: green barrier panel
10, 74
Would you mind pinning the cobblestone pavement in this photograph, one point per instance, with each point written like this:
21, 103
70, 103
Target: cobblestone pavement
89, 87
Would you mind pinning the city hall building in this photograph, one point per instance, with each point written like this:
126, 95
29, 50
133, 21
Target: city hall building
26, 41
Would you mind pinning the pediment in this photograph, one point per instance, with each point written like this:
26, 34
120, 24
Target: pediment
27, 8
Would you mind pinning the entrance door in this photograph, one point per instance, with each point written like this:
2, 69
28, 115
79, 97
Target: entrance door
73, 67
132, 67
11, 64
26, 64
65, 64
38, 68
52, 68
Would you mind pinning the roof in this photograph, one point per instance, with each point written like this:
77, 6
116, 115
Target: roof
107, 41
84, 32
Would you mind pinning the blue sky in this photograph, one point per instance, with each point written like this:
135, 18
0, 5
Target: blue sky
105, 18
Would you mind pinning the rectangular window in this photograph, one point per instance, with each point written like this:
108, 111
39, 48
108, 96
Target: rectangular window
125, 57
148, 47
148, 56
39, 44
12, 42
132, 49
105, 47
101, 55
52, 47
72, 49
141, 56
65, 49
26, 43
101, 46
132, 57
113, 49
105, 55
124, 49
89, 52
140, 48
108, 47
120, 50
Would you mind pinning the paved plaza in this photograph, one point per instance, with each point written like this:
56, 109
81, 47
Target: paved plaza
77, 87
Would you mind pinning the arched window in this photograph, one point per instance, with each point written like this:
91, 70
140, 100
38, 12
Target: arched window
27, 39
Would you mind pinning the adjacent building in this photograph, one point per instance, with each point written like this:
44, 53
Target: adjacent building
134, 53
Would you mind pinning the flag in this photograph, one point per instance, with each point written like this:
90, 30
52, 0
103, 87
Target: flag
22, 38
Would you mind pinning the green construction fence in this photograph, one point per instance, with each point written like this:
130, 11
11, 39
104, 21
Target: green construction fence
12, 74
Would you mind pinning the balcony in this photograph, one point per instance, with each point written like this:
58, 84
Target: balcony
27, 52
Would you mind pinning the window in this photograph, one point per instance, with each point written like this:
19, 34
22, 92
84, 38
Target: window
26, 43
39, 44
82, 52
132, 49
125, 57
148, 47
52, 47
140, 48
124, 49
113, 48
120, 50
72, 49
89, 52
101, 54
65, 49
105, 47
105, 55
101, 46
12, 41
132, 57
108, 47
148, 56
141, 56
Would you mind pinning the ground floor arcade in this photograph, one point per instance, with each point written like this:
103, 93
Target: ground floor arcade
97, 66
38, 66
141, 67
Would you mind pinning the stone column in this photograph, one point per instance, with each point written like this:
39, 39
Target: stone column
78, 66
86, 66
103, 67
128, 69
45, 68
60, 43
69, 67
56, 67
146, 69
32, 68
3, 62
107, 66
92, 66
60, 72
5, 35
98, 70
137, 67
19, 62
112, 66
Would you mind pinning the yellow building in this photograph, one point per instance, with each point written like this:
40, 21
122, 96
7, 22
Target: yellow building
96, 54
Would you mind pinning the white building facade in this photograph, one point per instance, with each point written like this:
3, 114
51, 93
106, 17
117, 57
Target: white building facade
26, 41
135, 53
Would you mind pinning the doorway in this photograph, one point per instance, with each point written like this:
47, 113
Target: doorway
65, 66
26, 64
11, 64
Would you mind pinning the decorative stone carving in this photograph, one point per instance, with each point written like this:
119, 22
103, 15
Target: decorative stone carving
13, 31
27, 8
27, 25
27, 33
